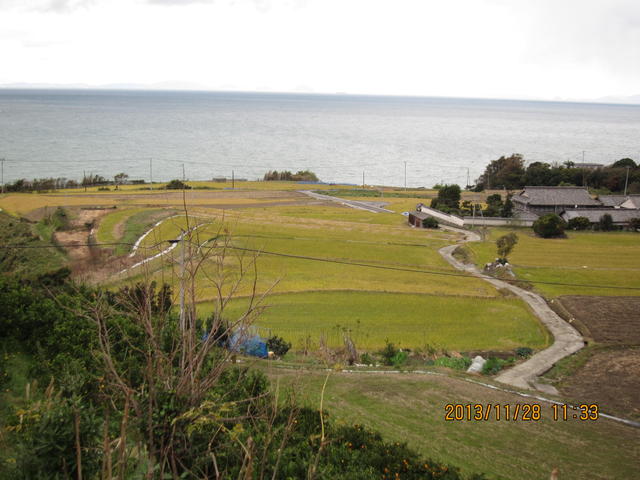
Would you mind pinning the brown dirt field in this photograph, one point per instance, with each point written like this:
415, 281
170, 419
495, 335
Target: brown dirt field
74, 237
611, 375
609, 320
610, 378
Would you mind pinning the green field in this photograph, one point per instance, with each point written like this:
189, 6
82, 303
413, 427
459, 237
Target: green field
586, 258
409, 321
383, 246
410, 408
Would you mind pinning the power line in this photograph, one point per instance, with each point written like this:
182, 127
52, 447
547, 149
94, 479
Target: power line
339, 262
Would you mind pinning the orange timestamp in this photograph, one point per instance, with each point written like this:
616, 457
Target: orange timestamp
525, 412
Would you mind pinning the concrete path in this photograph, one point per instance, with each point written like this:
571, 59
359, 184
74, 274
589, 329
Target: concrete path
368, 206
567, 340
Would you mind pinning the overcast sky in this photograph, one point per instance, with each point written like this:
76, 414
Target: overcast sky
573, 49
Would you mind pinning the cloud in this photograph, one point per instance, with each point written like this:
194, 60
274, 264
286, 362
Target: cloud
57, 6
177, 3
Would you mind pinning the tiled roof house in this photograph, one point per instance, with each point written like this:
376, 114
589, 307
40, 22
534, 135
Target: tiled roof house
541, 200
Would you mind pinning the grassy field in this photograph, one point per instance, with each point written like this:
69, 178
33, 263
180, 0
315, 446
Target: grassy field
409, 321
410, 408
401, 247
587, 258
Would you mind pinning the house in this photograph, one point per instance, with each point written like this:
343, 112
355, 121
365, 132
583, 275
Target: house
541, 200
620, 216
620, 201
588, 166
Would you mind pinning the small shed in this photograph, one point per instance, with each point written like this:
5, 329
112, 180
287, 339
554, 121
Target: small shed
416, 218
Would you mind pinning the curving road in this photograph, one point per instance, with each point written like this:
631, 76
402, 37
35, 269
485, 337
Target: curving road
567, 340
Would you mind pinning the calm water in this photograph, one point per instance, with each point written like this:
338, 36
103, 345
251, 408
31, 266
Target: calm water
62, 133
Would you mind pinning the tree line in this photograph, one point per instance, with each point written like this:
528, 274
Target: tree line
510, 173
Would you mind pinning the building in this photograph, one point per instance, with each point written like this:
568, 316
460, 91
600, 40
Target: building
620, 201
416, 218
588, 166
620, 216
542, 200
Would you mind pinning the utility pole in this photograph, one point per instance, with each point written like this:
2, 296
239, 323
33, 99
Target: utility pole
363, 179
84, 179
626, 182
151, 172
405, 176
183, 177
2, 173
468, 179
233, 180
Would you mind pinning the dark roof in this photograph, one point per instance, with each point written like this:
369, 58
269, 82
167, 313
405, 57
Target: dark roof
617, 200
420, 215
555, 196
619, 215
611, 200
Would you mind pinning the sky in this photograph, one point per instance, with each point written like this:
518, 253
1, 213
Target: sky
542, 49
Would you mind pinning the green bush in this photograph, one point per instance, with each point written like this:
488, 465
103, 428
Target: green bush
177, 185
430, 222
579, 223
388, 353
634, 224
399, 359
494, 365
523, 352
367, 359
549, 226
455, 363
278, 345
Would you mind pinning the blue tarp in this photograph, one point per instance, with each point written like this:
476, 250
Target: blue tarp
247, 344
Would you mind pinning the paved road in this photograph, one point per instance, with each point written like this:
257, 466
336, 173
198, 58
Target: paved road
567, 340
368, 206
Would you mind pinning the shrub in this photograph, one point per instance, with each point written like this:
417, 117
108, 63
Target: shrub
494, 365
388, 353
549, 226
523, 352
460, 363
634, 224
278, 345
579, 223
177, 185
367, 359
430, 222
399, 359
606, 223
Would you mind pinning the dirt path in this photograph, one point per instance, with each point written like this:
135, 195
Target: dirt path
567, 340
357, 204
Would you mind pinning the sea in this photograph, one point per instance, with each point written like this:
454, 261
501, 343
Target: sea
381, 140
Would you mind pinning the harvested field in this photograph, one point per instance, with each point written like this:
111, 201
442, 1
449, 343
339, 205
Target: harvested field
609, 320
610, 378
607, 373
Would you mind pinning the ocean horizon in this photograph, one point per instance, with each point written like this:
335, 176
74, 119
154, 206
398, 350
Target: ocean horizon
69, 132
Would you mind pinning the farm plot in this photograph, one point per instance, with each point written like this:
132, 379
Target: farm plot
409, 321
324, 253
609, 320
589, 259
608, 372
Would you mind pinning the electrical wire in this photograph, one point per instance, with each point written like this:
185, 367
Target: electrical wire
340, 262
